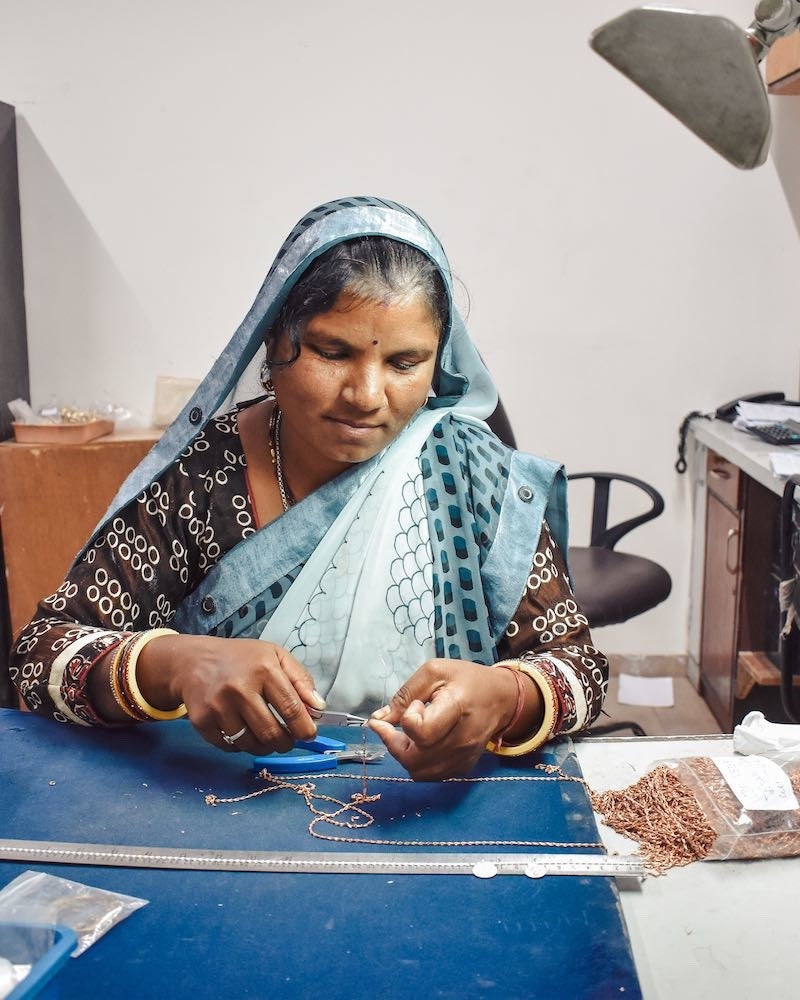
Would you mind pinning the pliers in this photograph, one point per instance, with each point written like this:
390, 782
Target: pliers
322, 753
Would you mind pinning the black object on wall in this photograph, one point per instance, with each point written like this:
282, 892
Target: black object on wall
14, 378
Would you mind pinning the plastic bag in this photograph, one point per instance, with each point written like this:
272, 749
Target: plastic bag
751, 803
709, 808
31, 955
11, 975
39, 898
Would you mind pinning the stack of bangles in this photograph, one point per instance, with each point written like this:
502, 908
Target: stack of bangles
122, 676
519, 667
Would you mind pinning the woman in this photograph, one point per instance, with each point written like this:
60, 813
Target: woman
355, 538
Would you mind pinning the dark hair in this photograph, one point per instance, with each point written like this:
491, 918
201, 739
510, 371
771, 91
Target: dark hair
373, 269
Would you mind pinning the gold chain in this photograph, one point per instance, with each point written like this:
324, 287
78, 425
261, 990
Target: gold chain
287, 497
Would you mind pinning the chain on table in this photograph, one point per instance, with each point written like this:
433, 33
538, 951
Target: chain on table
360, 819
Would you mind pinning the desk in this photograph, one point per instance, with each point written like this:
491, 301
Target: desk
714, 929
734, 616
208, 934
51, 498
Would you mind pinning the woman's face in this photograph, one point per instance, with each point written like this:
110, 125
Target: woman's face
363, 371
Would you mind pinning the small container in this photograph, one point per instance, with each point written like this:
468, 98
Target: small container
61, 433
46, 948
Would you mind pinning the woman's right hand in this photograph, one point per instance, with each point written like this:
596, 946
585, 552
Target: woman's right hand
232, 684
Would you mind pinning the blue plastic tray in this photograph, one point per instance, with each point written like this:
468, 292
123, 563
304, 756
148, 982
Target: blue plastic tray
45, 947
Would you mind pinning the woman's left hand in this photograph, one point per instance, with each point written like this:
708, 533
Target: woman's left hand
447, 712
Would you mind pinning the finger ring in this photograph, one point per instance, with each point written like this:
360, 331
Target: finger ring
230, 740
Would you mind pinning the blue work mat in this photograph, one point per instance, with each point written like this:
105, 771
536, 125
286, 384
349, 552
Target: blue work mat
251, 934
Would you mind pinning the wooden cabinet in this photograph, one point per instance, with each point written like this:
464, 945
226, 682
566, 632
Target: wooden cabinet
783, 65
721, 587
51, 498
739, 630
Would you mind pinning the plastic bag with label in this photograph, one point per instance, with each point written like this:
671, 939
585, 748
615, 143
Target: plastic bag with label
751, 803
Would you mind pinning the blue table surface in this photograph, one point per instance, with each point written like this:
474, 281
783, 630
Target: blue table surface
254, 934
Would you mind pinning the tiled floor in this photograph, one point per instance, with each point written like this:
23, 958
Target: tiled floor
689, 716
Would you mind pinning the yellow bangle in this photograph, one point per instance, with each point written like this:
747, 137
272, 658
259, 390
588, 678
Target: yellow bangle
130, 678
545, 731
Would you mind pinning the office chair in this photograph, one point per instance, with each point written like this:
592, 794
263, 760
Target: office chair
610, 586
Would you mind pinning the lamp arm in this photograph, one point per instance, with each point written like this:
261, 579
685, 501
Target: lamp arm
773, 20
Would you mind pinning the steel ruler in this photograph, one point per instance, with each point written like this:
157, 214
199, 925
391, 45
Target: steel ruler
628, 870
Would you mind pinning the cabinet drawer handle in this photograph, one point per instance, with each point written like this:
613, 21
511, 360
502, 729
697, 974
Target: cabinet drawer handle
720, 473
732, 533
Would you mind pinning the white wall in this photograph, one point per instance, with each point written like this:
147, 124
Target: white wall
619, 272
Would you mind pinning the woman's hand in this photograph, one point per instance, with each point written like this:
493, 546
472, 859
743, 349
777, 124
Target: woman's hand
232, 684
447, 711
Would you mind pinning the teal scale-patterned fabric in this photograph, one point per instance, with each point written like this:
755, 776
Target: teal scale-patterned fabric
463, 501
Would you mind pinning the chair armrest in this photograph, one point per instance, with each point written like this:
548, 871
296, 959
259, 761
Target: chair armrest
606, 537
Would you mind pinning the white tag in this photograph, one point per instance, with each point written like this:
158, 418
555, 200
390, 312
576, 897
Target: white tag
758, 783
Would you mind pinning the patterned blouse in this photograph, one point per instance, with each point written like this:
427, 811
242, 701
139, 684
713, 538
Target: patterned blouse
160, 547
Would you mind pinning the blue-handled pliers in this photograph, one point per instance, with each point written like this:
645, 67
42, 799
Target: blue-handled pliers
322, 753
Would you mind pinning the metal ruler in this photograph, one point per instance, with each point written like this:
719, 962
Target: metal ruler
628, 870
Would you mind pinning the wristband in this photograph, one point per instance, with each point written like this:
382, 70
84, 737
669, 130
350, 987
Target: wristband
128, 677
498, 740
545, 731
114, 681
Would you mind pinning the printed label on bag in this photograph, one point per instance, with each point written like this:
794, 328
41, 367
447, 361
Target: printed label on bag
758, 783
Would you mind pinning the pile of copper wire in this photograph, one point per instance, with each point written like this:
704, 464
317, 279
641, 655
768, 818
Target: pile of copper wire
662, 815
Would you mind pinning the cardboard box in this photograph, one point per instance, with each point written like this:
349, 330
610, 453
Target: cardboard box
61, 433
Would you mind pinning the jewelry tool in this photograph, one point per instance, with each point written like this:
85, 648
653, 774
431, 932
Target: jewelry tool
322, 753
337, 718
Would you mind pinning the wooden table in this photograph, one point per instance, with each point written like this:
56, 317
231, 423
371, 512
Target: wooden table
51, 499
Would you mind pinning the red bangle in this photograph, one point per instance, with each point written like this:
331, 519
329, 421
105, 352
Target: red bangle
498, 741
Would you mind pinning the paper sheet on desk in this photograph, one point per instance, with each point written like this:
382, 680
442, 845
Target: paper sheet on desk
657, 692
785, 463
764, 413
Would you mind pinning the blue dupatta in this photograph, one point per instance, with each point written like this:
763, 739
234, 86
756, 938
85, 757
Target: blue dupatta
472, 507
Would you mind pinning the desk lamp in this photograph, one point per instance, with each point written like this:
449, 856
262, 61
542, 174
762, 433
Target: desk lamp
703, 69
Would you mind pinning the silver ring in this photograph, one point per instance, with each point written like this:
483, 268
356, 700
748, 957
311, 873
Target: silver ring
230, 740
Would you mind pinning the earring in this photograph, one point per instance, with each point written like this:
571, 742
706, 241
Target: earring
266, 379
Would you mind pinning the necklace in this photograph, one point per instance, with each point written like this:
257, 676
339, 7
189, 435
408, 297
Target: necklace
287, 497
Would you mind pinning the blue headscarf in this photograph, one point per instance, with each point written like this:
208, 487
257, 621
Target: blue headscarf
460, 375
